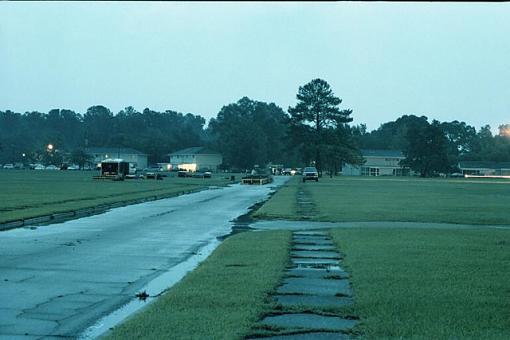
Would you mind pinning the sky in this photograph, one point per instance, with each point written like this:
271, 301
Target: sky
447, 61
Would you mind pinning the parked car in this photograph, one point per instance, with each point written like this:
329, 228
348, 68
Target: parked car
52, 167
207, 174
8, 166
39, 167
310, 173
73, 167
184, 173
198, 175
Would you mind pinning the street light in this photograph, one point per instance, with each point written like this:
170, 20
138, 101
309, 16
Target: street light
50, 147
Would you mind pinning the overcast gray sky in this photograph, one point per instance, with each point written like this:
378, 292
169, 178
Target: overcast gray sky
444, 60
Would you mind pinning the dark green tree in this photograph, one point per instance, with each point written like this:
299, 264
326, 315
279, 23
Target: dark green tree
249, 132
81, 158
312, 119
461, 139
427, 151
99, 125
392, 135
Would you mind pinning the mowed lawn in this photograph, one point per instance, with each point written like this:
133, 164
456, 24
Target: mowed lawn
429, 284
418, 283
222, 298
30, 193
462, 201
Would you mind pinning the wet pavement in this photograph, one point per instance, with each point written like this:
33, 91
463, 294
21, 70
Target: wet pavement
315, 295
57, 280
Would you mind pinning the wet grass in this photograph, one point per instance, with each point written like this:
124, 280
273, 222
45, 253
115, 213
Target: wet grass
222, 298
26, 194
429, 284
283, 204
341, 199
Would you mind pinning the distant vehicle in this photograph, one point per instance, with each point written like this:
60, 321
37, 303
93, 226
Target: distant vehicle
114, 168
456, 174
73, 167
310, 173
8, 166
287, 172
198, 175
39, 167
207, 174
52, 167
184, 173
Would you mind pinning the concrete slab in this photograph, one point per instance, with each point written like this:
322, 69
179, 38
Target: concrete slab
307, 286
313, 247
317, 242
313, 301
311, 233
317, 273
311, 321
314, 261
307, 225
22, 326
93, 265
315, 254
311, 336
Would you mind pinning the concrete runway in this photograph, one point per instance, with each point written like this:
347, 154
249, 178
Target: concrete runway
57, 280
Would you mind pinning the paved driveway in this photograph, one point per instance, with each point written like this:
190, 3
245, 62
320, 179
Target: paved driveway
58, 279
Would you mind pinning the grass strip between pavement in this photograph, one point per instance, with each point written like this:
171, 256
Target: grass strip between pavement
222, 298
429, 284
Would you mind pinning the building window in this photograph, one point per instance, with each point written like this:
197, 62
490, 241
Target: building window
367, 171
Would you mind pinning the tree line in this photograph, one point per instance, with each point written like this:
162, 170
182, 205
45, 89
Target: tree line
316, 131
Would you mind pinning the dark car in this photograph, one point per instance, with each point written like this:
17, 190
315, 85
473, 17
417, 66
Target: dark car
310, 173
184, 173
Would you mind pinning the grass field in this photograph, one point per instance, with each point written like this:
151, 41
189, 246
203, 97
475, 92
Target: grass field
25, 194
222, 298
429, 284
397, 199
418, 283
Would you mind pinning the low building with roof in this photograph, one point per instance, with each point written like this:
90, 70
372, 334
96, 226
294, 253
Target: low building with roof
480, 168
135, 157
195, 159
378, 163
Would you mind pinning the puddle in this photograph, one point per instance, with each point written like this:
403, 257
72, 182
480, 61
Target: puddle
151, 291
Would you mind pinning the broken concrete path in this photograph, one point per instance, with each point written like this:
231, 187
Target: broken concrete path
310, 292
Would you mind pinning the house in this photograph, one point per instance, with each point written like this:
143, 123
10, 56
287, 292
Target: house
479, 168
195, 159
137, 158
378, 163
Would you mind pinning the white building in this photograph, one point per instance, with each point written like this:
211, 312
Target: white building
378, 163
195, 159
137, 158
479, 168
